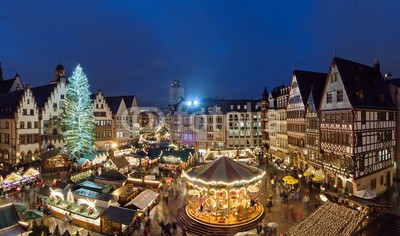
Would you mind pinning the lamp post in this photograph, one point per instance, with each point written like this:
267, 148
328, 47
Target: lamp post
300, 179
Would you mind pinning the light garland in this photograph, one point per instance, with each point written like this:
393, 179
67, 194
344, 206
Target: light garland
192, 179
78, 118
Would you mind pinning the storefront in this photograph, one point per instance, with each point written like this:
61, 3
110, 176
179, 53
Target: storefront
54, 160
125, 194
12, 181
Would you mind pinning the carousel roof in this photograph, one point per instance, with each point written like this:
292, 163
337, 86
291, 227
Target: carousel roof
225, 170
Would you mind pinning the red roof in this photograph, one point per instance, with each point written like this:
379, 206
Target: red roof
224, 169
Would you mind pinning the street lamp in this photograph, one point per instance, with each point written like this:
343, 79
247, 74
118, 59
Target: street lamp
300, 179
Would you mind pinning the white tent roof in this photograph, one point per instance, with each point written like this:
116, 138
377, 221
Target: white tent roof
366, 194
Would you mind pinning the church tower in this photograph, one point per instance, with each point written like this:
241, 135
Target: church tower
59, 73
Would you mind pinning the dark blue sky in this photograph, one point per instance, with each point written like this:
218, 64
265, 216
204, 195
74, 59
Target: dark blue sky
226, 49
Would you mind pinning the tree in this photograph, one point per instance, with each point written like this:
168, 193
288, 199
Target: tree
78, 117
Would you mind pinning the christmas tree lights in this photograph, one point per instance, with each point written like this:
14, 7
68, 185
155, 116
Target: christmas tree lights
78, 119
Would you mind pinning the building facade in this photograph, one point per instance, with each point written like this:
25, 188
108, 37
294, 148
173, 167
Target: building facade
10, 85
394, 89
215, 124
300, 87
19, 127
103, 122
358, 127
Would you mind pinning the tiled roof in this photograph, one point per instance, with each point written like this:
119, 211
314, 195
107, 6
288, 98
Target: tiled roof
306, 80
5, 85
113, 175
357, 77
277, 92
42, 93
120, 162
115, 101
9, 103
118, 214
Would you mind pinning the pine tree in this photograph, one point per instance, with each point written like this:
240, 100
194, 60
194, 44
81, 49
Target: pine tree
78, 118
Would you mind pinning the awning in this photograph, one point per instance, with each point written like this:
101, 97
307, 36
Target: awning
309, 171
280, 155
12, 178
320, 174
31, 172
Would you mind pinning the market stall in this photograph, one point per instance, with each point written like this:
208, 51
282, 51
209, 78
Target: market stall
224, 192
117, 219
111, 177
145, 200
31, 175
83, 213
125, 194
12, 181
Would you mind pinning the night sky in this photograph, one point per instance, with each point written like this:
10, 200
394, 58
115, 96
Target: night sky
220, 49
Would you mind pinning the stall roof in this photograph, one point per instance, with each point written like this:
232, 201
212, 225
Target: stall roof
142, 200
113, 175
182, 154
93, 186
120, 162
118, 214
93, 194
52, 153
8, 216
31, 172
124, 191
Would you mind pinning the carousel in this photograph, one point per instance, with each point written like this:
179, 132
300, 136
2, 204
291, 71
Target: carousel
224, 193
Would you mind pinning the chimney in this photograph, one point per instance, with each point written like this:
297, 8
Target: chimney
28, 86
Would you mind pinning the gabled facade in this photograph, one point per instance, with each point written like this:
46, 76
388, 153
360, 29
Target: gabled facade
10, 85
277, 124
125, 123
103, 122
300, 88
313, 155
358, 127
19, 127
50, 99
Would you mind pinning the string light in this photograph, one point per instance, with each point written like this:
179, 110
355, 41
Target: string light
78, 118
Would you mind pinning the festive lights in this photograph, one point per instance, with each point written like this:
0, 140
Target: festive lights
78, 118
55, 193
234, 183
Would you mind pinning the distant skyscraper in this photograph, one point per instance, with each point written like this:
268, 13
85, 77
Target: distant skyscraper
176, 92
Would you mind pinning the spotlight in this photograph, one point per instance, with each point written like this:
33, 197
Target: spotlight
196, 102
189, 103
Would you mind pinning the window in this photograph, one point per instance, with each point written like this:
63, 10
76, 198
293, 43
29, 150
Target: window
54, 105
210, 109
29, 125
203, 109
339, 96
25, 112
231, 107
373, 183
363, 117
218, 109
32, 112
21, 125
333, 77
381, 180
22, 139
359, 139
62, 96
238, 106
36, 125
7, 125
329, 97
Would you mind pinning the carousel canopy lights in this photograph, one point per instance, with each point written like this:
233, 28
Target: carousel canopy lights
224, 171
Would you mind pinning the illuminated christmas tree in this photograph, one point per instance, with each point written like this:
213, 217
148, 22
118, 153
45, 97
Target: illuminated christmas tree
78, 118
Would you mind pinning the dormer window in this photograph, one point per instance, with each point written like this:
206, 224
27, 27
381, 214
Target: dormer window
381, 98
360, 96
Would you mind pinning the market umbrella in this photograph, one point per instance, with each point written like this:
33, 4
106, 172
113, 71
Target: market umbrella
288, 177
317, 179
272, 225
307, 174
32, 215
292, 181
366, 194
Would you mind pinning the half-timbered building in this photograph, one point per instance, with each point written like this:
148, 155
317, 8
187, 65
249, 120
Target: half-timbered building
300, 88
358, 126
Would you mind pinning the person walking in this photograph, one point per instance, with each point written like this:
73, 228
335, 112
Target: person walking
174, 226
273, 183
306, 200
